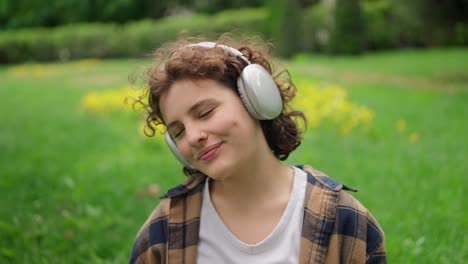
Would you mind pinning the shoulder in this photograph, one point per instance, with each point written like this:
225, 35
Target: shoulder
177, 212
354, 228
318, 179
150, 242
355, 222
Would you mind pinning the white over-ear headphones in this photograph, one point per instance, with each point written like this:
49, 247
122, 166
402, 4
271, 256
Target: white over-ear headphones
256, 87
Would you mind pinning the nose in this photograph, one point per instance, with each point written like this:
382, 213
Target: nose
195, 135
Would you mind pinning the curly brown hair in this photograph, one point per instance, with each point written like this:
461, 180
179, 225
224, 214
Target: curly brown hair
177, 61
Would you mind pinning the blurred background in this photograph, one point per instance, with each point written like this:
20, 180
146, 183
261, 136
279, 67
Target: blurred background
384, 84
73, 29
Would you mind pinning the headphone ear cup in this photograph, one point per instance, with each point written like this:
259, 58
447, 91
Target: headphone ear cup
173, 147
245, 99
259, 92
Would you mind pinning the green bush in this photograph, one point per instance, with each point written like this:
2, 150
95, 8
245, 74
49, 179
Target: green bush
18, 46
15, 14
355, 26
248, 20
86, 40
131, 40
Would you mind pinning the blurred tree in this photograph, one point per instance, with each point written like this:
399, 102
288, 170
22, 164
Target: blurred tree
213, 6
4, 8
446, 12
285, 22
36, 13
428, 22
318, 25
348, 35
381, 24
441, 19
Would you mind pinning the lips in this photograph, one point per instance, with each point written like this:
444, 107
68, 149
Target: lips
209, 152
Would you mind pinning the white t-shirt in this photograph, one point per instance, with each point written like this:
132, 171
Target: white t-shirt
218, 245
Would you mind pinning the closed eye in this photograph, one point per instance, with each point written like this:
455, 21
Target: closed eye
202, 115
205, 114
178, 133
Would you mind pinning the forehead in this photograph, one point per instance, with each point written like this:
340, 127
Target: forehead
183, 94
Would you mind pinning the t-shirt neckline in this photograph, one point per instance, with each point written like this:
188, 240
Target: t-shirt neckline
265, 243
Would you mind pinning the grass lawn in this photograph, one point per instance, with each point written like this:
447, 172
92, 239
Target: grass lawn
76, 185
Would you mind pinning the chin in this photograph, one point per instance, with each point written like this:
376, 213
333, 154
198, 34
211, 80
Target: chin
214, 174
217, 171
225, 164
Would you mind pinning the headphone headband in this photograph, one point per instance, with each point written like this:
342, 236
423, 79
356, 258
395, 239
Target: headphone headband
211, 45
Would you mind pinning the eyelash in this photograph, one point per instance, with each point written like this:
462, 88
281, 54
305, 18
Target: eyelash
206, 113
176, 135
201, 115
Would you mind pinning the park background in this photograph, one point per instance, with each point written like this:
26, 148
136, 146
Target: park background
384, 85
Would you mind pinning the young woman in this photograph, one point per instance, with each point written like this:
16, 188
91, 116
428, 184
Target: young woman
229, 122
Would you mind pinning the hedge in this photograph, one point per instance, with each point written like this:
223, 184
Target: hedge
385, 27
134, 39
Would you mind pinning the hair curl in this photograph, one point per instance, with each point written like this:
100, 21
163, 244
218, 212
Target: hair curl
176, 61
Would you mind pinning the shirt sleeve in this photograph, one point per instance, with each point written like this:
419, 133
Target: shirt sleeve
375, 242
151, 241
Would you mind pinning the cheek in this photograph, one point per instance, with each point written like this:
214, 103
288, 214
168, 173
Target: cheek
240, 129
230, 125
184, 150
240, 117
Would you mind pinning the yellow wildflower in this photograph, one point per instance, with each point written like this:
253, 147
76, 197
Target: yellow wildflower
112, 100
320, 104
414, 137
331, 103
44, 70
401, 125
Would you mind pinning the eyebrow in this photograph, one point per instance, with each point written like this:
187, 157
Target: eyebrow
192, 109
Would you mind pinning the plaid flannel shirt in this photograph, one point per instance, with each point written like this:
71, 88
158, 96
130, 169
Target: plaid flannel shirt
336, 228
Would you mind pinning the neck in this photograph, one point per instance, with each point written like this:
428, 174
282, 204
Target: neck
262, 179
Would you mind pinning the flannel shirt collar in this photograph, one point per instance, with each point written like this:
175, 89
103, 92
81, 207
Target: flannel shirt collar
185, 187
198, 178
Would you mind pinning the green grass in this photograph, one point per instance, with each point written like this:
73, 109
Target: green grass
73, 183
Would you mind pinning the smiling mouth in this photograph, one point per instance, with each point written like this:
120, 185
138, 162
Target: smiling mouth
209, 152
